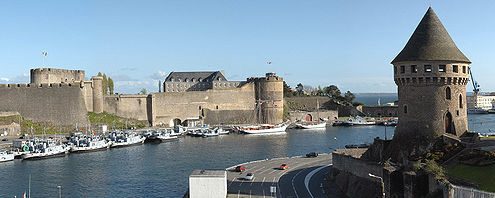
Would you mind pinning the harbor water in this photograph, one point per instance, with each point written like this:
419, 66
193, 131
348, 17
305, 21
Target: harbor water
162, 170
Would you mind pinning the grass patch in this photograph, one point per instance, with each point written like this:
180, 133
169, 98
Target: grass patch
483, 176
36, 128
492, 137
115, 122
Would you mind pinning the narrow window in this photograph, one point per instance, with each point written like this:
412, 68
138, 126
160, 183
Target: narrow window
463, 69
402, 69
448, 93
455, 68
441, 68
427, 68
405, 108
460, 101
414, 69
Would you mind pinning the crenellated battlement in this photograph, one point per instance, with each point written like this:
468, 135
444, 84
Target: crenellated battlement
43, 85
53, 75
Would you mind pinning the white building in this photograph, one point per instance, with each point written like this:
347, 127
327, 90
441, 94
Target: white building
481, 102
208, 184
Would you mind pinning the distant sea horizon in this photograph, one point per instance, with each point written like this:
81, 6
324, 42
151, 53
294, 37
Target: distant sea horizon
371, 99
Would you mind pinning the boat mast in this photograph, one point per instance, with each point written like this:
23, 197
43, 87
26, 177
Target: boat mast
318, 110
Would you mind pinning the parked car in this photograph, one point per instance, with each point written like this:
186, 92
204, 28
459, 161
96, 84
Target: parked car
312, 154
240, 168
5, 139
283, 167
249, 176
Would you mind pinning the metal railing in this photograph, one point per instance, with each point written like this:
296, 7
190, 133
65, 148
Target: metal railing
463, 192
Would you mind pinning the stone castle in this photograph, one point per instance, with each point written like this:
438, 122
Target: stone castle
64, 97
431, 74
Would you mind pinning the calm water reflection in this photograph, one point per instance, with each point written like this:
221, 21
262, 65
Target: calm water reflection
161, 170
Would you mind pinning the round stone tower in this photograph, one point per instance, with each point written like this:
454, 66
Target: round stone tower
97, 94
431, 74
269, 92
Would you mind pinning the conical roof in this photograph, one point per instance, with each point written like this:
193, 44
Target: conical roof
431, 42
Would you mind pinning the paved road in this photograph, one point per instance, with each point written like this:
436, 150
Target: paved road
305, 177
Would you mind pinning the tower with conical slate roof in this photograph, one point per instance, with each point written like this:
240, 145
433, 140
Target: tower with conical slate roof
431, 74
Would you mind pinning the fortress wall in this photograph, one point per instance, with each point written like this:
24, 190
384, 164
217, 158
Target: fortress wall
215, 117
356, 166
127, 106
382, 111
301, 115
57, 103
183, 105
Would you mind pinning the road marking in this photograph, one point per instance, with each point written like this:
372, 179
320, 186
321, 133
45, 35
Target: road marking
308, 177
238, 193
273, 182
249, 193
252, 181
263, 193
233, 179
242, 181
262, 181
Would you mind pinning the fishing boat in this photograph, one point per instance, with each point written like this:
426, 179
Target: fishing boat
264, 129
178, 131
221, 131
40, 149
355, 121
81, 143
121, 139
313, 125
211, 133
166, 137
5, 157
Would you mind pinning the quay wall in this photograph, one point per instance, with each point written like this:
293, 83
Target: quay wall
215, 117
356, 166
313, 115
381, 111
127, 106
61, 103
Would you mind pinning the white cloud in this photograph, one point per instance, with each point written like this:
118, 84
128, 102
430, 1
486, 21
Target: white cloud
4, 79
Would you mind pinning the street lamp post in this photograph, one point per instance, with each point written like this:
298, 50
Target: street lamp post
59, 191
381, 183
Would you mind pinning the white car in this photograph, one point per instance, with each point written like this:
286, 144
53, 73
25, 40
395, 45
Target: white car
249, 176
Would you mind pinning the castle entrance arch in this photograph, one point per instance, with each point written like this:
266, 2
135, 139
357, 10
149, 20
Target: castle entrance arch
449, 124
308, 118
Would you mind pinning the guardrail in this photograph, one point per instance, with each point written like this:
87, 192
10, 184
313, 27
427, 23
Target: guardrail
463, 192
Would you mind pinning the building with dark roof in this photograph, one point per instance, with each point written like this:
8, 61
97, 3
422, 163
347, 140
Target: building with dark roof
197, 81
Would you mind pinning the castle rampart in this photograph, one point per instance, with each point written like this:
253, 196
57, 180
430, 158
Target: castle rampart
56, 104
52, 75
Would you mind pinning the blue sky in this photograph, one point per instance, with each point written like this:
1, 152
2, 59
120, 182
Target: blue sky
340, 42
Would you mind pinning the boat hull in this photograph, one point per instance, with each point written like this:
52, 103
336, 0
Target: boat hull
311, 126
266, 131
6, 157
124, 144
37, 156
90, 149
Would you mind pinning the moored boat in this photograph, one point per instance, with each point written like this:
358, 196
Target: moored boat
81, 143
45, 149
121, 139
264, 129
311, 125
5, 157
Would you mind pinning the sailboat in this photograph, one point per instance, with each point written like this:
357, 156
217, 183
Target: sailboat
313, 125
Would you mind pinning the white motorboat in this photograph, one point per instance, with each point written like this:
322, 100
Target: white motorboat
80, 143
4, 156
311, 125
121, 139
178, 131
211, 133
166, 137
264, 129
45, 149
358, 120
221, 131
